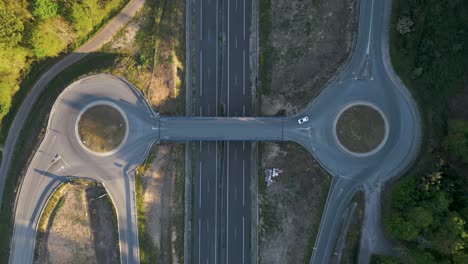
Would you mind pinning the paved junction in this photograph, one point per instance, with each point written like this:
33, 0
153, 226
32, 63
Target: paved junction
368, 79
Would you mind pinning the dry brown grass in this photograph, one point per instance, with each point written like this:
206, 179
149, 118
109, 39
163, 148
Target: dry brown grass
79, 228
311, 40
69, 236
360, 128
290, 210
101, 128
158, 192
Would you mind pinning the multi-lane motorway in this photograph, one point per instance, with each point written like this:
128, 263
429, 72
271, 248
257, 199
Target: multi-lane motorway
367, 78
238, 155
206, 155
221, 229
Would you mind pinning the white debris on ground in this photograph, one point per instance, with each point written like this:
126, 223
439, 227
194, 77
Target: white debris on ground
270, 174
127, 37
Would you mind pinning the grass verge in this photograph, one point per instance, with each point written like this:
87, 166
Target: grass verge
350, 252
266, 52
149, 253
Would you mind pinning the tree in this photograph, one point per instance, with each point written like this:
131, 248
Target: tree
420, 217
404, 25
81, 18
451, 237
421, 257
46, 41
5, 97
11, 27
399, 228
45, 9
456, 142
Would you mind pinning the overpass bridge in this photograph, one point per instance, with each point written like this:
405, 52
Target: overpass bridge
220, 128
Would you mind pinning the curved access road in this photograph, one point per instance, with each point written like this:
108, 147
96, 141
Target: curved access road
95, 43
44, 174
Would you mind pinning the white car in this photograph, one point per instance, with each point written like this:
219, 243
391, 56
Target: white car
302, 120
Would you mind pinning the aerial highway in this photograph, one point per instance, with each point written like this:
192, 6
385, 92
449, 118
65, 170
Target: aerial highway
238, 155
367, 79
207, 156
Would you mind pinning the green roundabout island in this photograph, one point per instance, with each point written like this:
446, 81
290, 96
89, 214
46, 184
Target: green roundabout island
361, 129
102, 128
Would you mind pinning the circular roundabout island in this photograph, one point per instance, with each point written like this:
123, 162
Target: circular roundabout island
101, 128
361, 129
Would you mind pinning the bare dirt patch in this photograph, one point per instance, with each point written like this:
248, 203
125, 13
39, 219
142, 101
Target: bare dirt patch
310, 41
290, 209
68, 233
360, 128
162, 199
102, 128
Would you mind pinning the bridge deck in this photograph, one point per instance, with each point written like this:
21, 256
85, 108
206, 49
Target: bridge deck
221, 128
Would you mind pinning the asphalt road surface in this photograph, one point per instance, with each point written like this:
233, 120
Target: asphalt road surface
238, 155
367, 78
115, 171
206, 155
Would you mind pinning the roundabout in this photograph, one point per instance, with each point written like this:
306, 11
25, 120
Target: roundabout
360, 129
101, 128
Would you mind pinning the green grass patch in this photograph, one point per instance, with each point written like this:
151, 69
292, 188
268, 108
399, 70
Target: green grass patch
178, 211
266, 52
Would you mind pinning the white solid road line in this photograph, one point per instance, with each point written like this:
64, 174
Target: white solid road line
216, 205
201, 19
200, 197
201, 73
243, 239
243, 73
199, 244
228, 60
243, 181
216, 41
227, 204
370, 27
243, 21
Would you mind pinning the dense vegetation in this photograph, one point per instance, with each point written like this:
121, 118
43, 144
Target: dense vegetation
428, 210
33, 30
